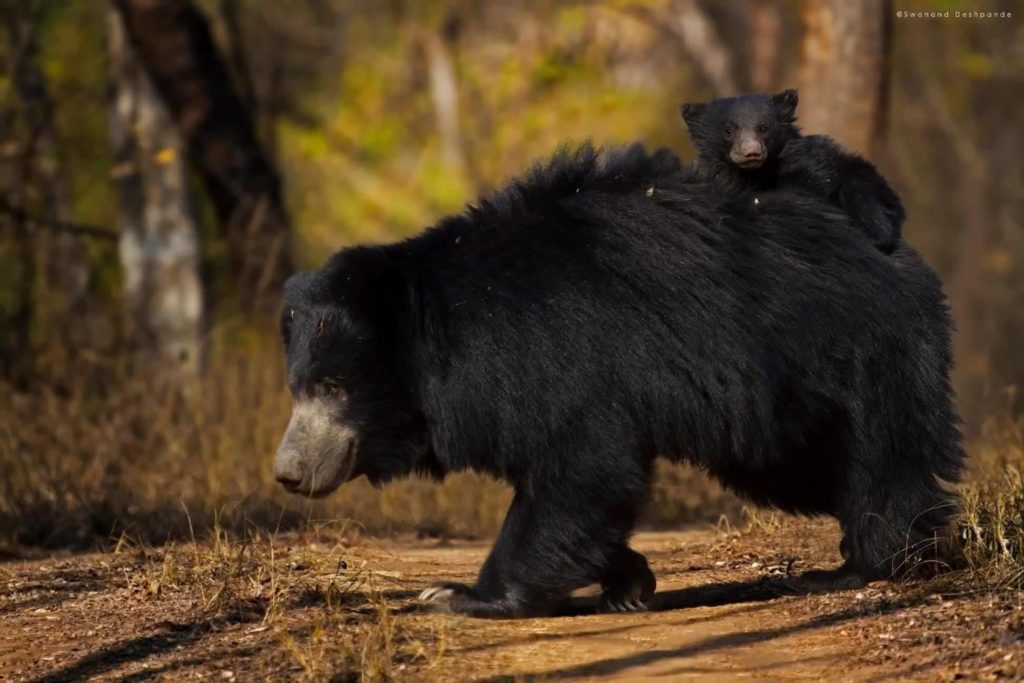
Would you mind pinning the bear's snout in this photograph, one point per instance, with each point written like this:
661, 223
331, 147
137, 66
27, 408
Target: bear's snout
317, 453
288, 471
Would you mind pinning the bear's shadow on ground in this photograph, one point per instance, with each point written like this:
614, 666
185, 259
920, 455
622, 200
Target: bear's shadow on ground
706, 595
710, 595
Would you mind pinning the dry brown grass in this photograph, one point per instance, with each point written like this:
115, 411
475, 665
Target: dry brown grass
93, 459
87, 462
989, 537
319, 609
91, 463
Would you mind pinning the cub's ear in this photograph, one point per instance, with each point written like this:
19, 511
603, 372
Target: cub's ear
785, 102
693, 112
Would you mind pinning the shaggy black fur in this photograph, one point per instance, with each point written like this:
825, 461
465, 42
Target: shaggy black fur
608, 308
751, 143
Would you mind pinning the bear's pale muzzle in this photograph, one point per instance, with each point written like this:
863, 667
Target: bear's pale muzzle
317, 453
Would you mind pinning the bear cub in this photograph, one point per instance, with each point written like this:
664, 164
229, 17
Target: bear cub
751, 143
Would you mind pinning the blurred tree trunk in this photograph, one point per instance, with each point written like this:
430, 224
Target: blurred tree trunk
970, 291
239, 57
15, 174
987, 162
37, 179
689, 26
173, 42
159, 237
765, 44
444, 92
700, 39
844, 73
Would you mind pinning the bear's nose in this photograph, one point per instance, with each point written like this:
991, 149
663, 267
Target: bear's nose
289, 473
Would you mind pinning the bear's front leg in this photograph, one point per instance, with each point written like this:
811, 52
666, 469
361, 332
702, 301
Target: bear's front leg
628, 583
552, 542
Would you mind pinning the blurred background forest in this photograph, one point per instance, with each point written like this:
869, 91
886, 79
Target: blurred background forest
165, 164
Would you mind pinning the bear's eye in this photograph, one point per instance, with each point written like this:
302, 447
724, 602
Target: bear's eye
328, 388
728, 132
762, 128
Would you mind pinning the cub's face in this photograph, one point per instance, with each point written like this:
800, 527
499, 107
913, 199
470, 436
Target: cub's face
353, 411
746, 131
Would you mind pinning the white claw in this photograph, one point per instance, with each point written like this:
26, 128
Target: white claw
436, 594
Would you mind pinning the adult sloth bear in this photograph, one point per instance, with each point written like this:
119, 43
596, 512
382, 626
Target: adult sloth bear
608, 308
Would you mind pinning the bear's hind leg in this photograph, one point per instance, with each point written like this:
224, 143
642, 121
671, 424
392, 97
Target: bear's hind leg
893, 521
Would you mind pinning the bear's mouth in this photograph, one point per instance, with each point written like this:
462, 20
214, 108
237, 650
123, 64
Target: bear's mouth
751, 163
342, 475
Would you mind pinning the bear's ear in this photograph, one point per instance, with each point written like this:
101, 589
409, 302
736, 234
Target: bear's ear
297, 287
693, 112
785, 103
296, 294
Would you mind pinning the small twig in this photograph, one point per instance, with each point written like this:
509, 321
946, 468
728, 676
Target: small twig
56, 225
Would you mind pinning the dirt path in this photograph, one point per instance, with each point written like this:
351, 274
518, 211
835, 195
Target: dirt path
685, 635
319, 606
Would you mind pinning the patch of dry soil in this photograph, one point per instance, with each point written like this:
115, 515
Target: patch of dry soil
317, 606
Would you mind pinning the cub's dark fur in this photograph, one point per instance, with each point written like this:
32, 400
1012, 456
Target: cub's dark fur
608, 308
752, 143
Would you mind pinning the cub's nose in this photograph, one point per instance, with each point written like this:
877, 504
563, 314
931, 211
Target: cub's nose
751, 149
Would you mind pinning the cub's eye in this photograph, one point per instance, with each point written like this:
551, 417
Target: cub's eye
762, 128
728, 132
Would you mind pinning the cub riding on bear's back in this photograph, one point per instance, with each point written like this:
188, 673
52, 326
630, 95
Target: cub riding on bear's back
751, 143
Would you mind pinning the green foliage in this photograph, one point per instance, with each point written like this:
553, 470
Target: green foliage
72, 46
370, 166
